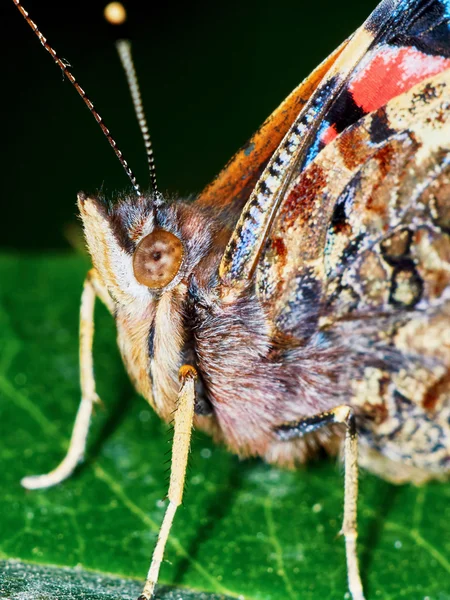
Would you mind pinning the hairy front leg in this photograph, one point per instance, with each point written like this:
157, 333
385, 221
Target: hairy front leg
77, 446
183, 421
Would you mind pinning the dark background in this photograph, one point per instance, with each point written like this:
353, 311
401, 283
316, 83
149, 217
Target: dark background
210, 73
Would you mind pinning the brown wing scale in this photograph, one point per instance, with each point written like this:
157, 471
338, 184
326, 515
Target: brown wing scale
368, 223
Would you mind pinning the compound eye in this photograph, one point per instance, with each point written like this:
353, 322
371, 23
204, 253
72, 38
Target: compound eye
157, 259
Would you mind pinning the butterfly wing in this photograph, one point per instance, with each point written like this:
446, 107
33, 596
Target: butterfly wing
400, 325
359, 257
230, 190
411, 43
377, 64
358, 190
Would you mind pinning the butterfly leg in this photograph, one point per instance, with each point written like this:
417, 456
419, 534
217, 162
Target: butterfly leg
91, 289
341, 414
184, 417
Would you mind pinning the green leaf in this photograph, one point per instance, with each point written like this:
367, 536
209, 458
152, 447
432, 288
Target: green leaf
25, 581
246, 529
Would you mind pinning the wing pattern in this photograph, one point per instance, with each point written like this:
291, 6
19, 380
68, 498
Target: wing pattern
359, 253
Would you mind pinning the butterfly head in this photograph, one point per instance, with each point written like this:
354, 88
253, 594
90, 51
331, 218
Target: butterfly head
142, 245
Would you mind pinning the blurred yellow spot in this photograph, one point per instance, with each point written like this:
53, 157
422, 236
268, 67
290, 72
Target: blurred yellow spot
115, 13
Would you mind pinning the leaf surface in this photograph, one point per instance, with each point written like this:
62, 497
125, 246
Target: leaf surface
245, 529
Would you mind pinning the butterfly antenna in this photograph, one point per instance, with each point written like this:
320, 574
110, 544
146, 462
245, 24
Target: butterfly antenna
116, 15
63, 65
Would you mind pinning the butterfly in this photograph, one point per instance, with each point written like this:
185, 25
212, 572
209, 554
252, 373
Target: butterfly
301, 301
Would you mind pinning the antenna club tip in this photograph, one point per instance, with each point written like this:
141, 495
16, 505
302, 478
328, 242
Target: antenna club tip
115, 13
